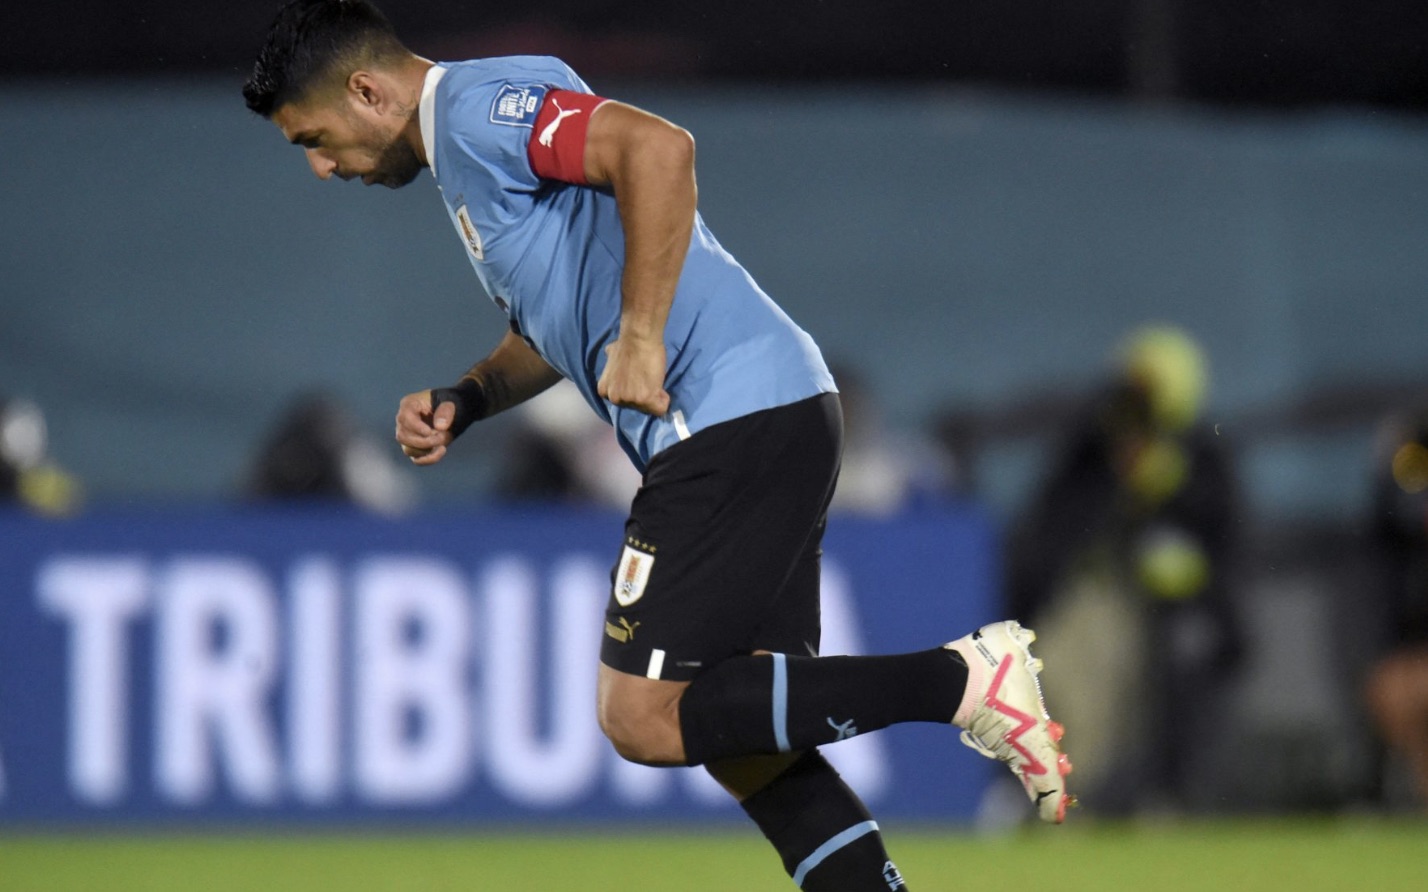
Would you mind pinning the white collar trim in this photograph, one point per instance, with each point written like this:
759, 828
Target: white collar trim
426, 114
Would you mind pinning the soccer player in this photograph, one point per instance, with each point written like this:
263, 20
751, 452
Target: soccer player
578, 215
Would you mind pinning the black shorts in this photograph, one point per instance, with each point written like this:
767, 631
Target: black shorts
722, 545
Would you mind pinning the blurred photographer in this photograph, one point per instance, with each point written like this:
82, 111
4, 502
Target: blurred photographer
28, 476
1123, 562
318, 452
1397, 684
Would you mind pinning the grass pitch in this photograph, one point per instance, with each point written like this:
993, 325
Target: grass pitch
1255, 856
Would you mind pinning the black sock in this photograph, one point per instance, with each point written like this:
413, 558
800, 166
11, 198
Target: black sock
822, 831
775, 703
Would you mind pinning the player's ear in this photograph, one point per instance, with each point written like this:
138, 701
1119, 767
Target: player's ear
365, 89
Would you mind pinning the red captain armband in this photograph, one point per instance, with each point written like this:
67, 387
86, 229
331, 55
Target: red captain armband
557, 146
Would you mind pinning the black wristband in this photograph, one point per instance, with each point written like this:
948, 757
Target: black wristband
469, 400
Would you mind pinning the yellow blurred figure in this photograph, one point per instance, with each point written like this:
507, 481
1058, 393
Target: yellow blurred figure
1170, 368
27, 474
1122, 562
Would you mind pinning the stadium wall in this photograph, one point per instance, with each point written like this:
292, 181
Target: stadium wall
173, 274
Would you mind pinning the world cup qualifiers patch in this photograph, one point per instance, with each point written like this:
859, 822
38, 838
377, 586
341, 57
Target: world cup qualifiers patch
516, 106
632, 575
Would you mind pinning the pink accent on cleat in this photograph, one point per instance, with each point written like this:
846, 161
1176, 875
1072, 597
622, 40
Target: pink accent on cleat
1024, 722
1003, 716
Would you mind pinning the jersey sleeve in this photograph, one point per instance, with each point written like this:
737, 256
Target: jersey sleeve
494, 118
557, 145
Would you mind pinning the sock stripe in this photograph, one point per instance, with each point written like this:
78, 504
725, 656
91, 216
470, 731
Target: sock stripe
838, 841
780, 702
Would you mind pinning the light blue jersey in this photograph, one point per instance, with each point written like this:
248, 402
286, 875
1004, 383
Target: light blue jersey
550, 254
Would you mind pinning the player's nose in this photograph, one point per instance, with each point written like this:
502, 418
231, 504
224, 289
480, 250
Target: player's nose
321, 167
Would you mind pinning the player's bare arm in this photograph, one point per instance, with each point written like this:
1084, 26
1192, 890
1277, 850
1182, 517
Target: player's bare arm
512, 374
649, 164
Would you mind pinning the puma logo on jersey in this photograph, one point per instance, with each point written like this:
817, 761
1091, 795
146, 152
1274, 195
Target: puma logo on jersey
547, 136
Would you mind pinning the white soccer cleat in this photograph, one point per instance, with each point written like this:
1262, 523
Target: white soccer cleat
1003, 716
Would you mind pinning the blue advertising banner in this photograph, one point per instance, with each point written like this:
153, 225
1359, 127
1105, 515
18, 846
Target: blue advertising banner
229, 666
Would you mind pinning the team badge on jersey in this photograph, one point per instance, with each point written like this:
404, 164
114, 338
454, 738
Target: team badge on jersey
469, 234
516, 106
632, 575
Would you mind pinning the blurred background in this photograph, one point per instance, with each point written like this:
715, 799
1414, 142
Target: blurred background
1126, 299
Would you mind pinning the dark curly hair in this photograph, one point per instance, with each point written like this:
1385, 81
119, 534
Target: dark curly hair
312, 41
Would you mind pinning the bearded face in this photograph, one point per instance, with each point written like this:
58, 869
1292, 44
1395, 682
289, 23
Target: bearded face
350, 143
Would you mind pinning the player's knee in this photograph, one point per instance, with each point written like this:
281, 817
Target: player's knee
642, 732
